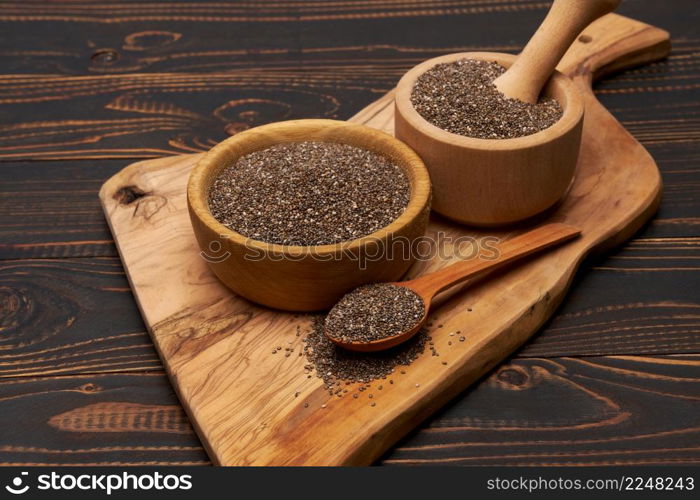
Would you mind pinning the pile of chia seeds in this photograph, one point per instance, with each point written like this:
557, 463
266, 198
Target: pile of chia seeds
460, 97
360, 374
338, 367
373, 312
309, 193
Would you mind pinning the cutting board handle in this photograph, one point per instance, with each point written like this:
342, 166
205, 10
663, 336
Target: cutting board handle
613, 43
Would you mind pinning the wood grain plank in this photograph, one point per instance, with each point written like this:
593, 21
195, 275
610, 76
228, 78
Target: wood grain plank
624, 410
149, 115
561, 411
117, 419
135, 89
49, 209
677, 216
631, 302
183, 36
70, 316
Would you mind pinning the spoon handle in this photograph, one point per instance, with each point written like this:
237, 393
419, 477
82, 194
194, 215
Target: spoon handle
566, 19
525, 244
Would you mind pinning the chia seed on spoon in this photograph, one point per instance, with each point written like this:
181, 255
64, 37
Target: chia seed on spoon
373, 312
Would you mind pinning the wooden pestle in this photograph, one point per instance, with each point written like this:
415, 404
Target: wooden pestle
533, 67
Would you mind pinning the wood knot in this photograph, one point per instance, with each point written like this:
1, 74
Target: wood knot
513, 377
15, 308
10, 302
104, 56
128, 194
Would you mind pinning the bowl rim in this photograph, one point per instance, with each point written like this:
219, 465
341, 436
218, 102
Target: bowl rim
418, 202
572, 115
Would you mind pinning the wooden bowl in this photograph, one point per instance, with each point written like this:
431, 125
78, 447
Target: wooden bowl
299, 278
488, 182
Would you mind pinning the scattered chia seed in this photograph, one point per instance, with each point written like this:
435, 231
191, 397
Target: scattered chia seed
309, 193
337, 366
460, 97
373, 312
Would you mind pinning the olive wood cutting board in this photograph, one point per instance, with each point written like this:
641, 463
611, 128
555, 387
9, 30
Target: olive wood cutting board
217, 346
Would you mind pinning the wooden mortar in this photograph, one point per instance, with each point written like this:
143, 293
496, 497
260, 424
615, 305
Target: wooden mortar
488, 182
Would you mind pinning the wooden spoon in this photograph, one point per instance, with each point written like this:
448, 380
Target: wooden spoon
426, 287
535, 64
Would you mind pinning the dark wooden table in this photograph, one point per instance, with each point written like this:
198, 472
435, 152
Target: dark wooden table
88, 87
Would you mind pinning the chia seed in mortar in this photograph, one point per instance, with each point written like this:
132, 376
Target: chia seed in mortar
460, 97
